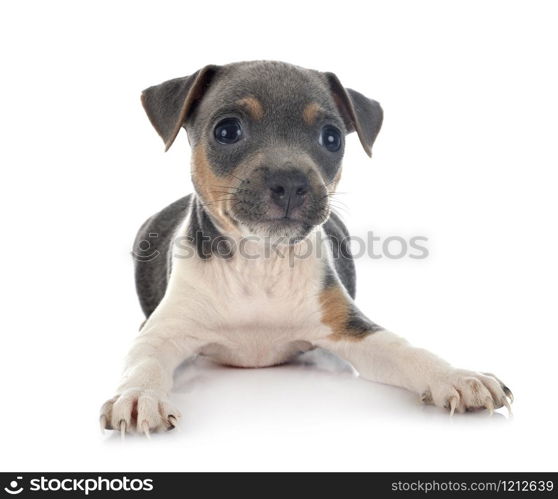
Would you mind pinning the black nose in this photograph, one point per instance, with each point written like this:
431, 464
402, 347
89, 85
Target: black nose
288, 189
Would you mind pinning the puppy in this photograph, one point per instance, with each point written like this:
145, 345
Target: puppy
254, 268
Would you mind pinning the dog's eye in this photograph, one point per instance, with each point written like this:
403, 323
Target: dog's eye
330, 138
228, 131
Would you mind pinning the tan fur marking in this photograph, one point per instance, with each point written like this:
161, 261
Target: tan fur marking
214, 190
335, 314
334, 311
311, 112
253, 106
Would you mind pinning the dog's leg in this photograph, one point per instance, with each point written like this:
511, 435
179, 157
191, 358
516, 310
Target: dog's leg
142, 397
382, 356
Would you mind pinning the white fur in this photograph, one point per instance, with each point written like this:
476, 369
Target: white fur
388, 358
248, 311
258, 311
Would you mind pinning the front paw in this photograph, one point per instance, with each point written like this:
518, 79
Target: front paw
140, 410
460, 390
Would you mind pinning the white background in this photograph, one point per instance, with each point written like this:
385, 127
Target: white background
467, 157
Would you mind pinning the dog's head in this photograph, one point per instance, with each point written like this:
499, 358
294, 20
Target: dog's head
267, 140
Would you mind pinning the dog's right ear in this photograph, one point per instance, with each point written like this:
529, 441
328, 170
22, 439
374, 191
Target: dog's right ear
359, 112
169, 104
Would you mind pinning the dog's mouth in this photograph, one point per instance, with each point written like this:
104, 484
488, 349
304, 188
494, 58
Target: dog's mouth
287, 228
257, 217
268, 203
284, 220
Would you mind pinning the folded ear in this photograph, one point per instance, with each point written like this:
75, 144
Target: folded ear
169, 104
359, 112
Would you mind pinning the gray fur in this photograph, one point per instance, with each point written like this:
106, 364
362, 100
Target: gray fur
152, 267
343, 261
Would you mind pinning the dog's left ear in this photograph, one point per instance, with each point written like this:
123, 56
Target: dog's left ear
169, 104
359, 113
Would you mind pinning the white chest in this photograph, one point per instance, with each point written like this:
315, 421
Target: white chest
253, 311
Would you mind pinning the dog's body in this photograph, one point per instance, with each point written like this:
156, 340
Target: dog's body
253, 268
254, 310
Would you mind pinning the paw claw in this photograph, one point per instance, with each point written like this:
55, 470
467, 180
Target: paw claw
460, 390
145, 429
508, 393
508, 407
122, 425
504, 388
453, 405
103, 423
489, 404
138, 410
173, 423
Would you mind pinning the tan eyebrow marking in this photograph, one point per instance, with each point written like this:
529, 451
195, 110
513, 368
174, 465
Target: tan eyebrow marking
253, 106
311, 112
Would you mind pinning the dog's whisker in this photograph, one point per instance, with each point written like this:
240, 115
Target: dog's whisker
224, 187
225, 193
218, 200
336, 207
237, 178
